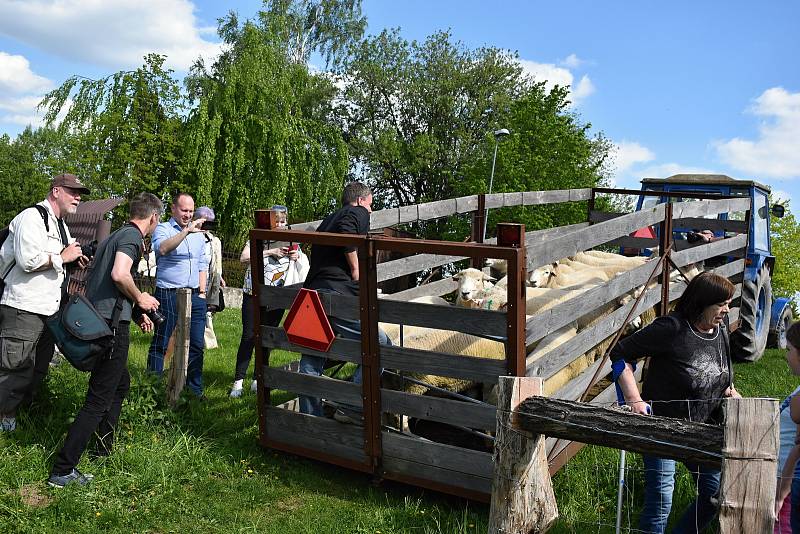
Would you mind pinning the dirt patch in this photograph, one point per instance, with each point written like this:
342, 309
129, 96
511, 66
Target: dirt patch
291, 504
31, 496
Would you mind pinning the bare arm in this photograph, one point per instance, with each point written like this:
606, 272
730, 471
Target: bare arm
121, 275
203, 276
168, 245
627, 383
352, 261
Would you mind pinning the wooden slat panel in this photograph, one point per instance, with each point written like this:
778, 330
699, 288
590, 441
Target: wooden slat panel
548, 321
438, 288
732, 246
441, 364
473, 321
553, 361
434, 454
408, 213
467, 204
438, 209
494, 201
632, 242
347, 350
681, 210
512, 199
455, 412
313, 386
343, 306
597, 234
317, 433
540, 236
436, 475
384, 218
413, 264
575, 388
730, 269
596, 216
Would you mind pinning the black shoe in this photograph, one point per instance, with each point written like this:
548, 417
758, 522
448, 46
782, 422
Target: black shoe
73, 477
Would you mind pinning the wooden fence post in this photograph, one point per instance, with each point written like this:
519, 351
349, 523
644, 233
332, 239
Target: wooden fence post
522, 492
180, 356
750, 456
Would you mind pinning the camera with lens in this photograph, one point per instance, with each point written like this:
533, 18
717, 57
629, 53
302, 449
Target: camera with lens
89, 249
156, 316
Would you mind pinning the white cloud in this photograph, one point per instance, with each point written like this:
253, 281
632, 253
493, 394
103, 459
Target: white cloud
112, 33
781, 195
629, 153
572, 61
776, 151
17, 77
554, 75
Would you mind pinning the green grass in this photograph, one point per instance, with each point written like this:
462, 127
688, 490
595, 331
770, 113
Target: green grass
200, 469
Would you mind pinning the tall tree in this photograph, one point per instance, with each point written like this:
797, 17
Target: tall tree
414, 113
261, 132
785, 233
128, 125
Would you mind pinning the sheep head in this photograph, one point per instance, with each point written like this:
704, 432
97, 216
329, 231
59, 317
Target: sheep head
470, 282
541, 277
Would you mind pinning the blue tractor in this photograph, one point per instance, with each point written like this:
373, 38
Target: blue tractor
763, 320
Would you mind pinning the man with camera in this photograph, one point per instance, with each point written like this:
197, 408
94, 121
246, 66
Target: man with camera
181, 262
112, 291
33, 264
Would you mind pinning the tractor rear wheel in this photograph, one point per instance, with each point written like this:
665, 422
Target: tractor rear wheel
750, 339
778, 338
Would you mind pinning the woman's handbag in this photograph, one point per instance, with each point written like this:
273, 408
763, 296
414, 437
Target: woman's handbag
83, 336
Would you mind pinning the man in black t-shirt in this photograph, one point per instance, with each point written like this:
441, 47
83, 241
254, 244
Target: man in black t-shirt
110, 287
335, 270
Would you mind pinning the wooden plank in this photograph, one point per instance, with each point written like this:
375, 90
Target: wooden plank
632, 242
437, 475
494, 201
438, 209
522, 493
176, 379
348, 350
473, 321
596, 216
408, 213
553, 361
413, 264
542, 323
472, 415
316, 433
430, 453
665, 437
731, 269
576, 195
747, 487
733, 246
342, 306
570, 244
438, 288
384, 218
512, 199
555, 196
682, 210
466, 204
540, 236
442, 364
313, 386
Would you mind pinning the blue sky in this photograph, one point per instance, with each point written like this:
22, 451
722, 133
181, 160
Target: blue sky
710, 86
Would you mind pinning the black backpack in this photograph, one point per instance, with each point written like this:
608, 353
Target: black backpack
4, 235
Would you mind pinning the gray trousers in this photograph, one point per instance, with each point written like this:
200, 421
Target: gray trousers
26, 349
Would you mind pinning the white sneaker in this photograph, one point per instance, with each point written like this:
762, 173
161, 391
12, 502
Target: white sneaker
236, 392
254, 386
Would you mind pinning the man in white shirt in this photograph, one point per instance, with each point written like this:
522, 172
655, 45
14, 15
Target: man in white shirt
33, 264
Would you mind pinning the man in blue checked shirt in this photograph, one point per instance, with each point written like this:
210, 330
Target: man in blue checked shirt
181, 262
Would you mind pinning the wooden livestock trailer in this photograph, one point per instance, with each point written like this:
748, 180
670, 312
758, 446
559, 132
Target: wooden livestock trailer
388, 454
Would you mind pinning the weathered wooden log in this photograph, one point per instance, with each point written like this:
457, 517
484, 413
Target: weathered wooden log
522, 493
180, 357
747, 487
665, 437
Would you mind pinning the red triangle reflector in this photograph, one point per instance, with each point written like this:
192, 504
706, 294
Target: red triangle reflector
307, 325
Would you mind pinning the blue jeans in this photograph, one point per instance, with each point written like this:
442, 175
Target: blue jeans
197, 328
314, 365
659, 479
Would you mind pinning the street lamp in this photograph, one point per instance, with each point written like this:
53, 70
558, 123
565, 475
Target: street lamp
498, 134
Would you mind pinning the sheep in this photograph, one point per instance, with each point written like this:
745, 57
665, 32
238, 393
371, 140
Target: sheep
598, 258
470, 281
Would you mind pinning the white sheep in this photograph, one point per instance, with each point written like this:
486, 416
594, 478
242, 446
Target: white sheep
470, 281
